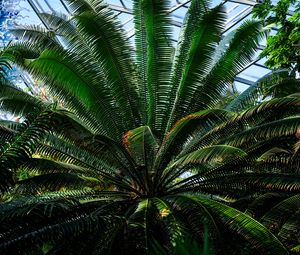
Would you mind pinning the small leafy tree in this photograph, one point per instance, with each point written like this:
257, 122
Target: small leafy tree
283, 48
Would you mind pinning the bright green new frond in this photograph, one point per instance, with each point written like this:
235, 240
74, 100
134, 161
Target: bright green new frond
108, 44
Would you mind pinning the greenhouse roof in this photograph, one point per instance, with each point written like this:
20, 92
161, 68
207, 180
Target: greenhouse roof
28, 12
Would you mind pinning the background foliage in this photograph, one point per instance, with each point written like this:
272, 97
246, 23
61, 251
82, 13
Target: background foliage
283, 47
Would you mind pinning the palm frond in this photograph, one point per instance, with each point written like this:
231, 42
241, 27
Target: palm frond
278, 128
57, 65
194, 57
275, 218
202, 160
239, 53
263, 203
251, 230
18, 236
185, 129
23, 144
290, 229
16, 101
142, 145
37, 35
262, 113
49, 182
5, 65
252, 94
107, 42
154, 51
38, 166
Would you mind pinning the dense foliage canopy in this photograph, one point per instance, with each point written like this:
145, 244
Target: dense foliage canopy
283, 46
131, 153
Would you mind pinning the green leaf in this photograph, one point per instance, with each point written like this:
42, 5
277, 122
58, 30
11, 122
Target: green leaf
154, 48
194, 57
251, 230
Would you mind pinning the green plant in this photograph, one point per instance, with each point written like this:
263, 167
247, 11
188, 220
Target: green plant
133, 153
282, 49
185, 245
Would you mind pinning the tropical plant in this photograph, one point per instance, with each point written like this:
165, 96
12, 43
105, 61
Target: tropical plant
130, 153
276, 84
283, 47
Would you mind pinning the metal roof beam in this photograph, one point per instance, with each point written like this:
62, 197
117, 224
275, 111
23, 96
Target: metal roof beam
244, 81
245, 2
38, 13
